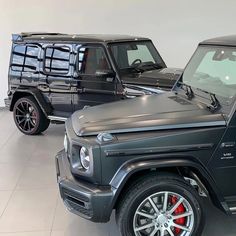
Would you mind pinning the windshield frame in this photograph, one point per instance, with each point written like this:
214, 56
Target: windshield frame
131, 70
226, 101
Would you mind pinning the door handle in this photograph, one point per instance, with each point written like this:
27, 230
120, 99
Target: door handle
227, 145
43, 86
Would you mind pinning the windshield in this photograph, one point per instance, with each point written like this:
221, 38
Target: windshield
213, 69
129, 55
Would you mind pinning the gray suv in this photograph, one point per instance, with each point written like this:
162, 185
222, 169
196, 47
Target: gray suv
154, 158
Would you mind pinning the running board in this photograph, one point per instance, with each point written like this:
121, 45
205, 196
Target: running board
57, 118
233, 210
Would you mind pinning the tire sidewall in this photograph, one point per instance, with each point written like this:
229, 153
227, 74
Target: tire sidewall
161, 187
37, 114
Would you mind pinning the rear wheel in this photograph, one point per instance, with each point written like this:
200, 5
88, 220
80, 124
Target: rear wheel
163, 205
29, 117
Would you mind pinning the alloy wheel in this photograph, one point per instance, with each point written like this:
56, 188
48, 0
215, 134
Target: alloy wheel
164, 214
26, 116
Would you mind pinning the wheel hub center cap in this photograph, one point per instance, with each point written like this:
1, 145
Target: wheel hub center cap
162, 219
27, 115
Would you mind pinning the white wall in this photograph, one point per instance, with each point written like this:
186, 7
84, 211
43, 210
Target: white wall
175, 26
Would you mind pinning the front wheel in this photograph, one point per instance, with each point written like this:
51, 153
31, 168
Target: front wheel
29, 117
160, 205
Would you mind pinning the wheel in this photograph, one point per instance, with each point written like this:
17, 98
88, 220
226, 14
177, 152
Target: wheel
29, 117
160, 205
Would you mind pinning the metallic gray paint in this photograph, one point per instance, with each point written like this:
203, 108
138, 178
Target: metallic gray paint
147, 113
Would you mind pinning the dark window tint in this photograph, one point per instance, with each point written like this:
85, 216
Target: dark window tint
57, 60
25, 58
92, 60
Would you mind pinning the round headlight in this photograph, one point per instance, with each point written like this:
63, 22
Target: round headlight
66, 144
84, 158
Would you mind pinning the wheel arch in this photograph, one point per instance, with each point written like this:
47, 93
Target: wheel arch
179, 166
20, 93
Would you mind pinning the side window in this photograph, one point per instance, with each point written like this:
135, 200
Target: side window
57, 60
25, 58
92, 60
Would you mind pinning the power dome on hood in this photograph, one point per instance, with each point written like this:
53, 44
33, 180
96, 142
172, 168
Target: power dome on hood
155, 112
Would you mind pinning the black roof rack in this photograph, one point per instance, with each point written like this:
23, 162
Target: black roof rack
19, 37
44, 36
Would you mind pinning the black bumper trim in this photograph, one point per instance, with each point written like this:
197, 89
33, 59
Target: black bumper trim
7, 102
82, 198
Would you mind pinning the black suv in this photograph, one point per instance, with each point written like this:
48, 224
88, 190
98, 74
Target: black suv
52, 75
153, 158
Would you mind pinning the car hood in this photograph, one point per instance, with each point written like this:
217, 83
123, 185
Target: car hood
146, 113
160, 78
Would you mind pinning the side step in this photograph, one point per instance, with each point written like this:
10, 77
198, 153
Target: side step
231, 202
57, 119
233, 210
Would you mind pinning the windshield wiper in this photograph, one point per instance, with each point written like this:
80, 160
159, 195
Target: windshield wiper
155, 65
189, 91
215, 104
140, 68
137, 69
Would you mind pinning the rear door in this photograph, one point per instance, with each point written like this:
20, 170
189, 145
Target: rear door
58, 69
94, 78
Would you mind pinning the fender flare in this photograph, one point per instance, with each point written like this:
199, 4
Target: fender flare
45, 106
134, 166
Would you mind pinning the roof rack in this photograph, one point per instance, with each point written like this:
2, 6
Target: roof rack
19, 37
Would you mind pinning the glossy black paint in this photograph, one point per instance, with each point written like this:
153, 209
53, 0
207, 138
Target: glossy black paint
65, 89
161, 78
168, 132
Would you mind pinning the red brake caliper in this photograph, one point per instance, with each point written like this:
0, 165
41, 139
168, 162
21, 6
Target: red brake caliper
180, 210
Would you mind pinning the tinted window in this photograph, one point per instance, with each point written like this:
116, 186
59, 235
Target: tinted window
57, 60
25, 58
92, 60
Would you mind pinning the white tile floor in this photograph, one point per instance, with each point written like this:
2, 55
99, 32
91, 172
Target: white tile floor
29, 200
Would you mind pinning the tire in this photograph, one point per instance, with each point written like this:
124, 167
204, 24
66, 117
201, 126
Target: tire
29, 117
137, 200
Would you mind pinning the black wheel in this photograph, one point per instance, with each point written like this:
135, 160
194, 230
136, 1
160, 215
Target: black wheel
29, 117
160, 205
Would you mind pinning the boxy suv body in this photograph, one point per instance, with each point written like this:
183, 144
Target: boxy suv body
153, 158
52, 75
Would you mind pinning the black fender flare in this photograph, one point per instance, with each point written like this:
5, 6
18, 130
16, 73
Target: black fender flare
167, 161
45, 106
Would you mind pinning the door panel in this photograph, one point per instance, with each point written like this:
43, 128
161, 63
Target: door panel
223, 163
58, 70
94, 81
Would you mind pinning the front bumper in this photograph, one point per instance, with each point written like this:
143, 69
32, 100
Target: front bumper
7, 102
89, 201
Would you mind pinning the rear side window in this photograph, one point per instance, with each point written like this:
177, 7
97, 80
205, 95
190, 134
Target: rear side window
25, 58
57, 60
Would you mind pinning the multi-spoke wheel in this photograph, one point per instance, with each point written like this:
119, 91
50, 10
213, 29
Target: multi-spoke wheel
163, 205
164, 213
28, 116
